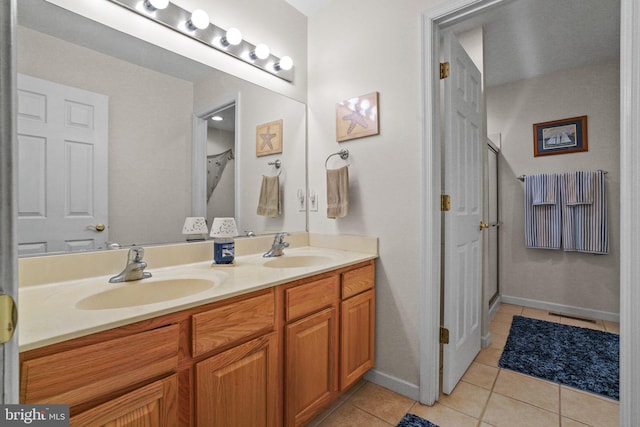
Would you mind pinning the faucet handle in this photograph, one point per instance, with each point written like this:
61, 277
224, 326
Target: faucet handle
136, 253
280, 237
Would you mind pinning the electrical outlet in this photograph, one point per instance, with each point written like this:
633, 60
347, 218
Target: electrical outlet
313, 201
302, 200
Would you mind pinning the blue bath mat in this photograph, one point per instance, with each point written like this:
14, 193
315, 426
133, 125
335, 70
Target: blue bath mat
411, 420
583, 358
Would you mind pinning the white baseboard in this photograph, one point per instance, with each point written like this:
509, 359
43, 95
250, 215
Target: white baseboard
493, 308
412, 391
561, 308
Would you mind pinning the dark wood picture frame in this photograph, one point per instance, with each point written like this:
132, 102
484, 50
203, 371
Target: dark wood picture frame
560, 136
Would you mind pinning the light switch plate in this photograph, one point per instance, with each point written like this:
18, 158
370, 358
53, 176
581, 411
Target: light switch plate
313, 201
302, 200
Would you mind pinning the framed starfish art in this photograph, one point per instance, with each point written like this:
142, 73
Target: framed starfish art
357, 117
269, 138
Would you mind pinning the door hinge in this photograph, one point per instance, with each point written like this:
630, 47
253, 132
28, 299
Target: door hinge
445, 202
8, 318
444, 335
444, 70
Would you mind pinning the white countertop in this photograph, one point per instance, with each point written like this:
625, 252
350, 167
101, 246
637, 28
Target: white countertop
48, 313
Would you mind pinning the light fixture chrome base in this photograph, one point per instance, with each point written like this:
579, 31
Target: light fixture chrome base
175, 17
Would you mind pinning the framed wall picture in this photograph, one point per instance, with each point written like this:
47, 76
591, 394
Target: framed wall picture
269, 138
357, 117
560, 136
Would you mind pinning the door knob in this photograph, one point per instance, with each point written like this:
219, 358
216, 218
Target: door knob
97, 227
483, 225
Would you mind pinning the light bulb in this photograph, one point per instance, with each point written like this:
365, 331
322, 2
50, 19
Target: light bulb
285, 63
261, 51
199, 19
233, 37
153, 5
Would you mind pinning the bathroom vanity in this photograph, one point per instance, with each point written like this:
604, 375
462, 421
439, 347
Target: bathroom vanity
267, 345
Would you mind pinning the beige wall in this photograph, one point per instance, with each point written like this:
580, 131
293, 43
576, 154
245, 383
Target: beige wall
568, 279
149, 138
357, 47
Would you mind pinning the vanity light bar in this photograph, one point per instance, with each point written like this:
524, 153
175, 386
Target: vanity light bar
177, 19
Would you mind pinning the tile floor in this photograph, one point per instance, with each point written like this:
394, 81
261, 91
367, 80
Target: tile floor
486, 396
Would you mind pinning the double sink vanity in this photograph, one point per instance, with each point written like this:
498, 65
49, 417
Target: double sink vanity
265, 342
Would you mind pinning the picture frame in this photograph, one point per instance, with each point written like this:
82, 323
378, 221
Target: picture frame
560, 136
357, 117
269, 138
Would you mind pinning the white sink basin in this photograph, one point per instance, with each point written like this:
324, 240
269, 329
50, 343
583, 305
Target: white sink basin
131, 294
296, 261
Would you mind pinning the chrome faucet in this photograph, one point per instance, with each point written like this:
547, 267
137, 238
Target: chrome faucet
278, 245
134, 270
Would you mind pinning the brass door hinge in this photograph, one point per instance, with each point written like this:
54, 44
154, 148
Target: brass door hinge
445, 202
8, 318
444, 70
444, 335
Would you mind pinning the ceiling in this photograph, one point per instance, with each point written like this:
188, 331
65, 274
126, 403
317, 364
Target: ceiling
528, 38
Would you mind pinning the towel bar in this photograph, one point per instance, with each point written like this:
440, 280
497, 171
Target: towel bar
522, 177
344, 155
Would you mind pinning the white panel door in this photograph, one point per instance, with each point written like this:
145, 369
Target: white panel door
62, 168
462, 180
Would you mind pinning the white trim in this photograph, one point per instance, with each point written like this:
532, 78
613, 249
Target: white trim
629, 208
199, 154
9, 381
430, 219
392, 383
561, 308
493, 308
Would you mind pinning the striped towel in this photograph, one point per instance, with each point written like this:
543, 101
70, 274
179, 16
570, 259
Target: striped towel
545, 189
584, 226
579, 187
543, 222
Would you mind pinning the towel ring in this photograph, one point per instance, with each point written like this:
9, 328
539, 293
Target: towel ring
344, 155
277, 165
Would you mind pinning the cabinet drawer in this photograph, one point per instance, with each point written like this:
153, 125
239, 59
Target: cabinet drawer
358, 280
81, 374
231, 323
308, 298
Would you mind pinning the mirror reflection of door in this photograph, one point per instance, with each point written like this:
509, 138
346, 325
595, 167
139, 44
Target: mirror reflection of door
220, 163
63, 168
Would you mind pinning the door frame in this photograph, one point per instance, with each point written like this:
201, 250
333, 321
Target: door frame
199, 153
433, 22
8, 177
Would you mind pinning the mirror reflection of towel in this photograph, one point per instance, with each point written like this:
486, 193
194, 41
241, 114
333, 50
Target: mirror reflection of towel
338, 192
269, 200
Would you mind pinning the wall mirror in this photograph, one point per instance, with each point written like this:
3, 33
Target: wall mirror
82, 84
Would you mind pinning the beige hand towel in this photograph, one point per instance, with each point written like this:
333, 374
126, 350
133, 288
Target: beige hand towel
338, 192
269, 201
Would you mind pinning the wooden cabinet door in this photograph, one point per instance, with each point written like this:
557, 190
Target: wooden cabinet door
357, 337
311, 365
239, 387
154, 405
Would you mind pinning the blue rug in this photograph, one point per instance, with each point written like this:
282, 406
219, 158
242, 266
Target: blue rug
583, 358
411, 420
